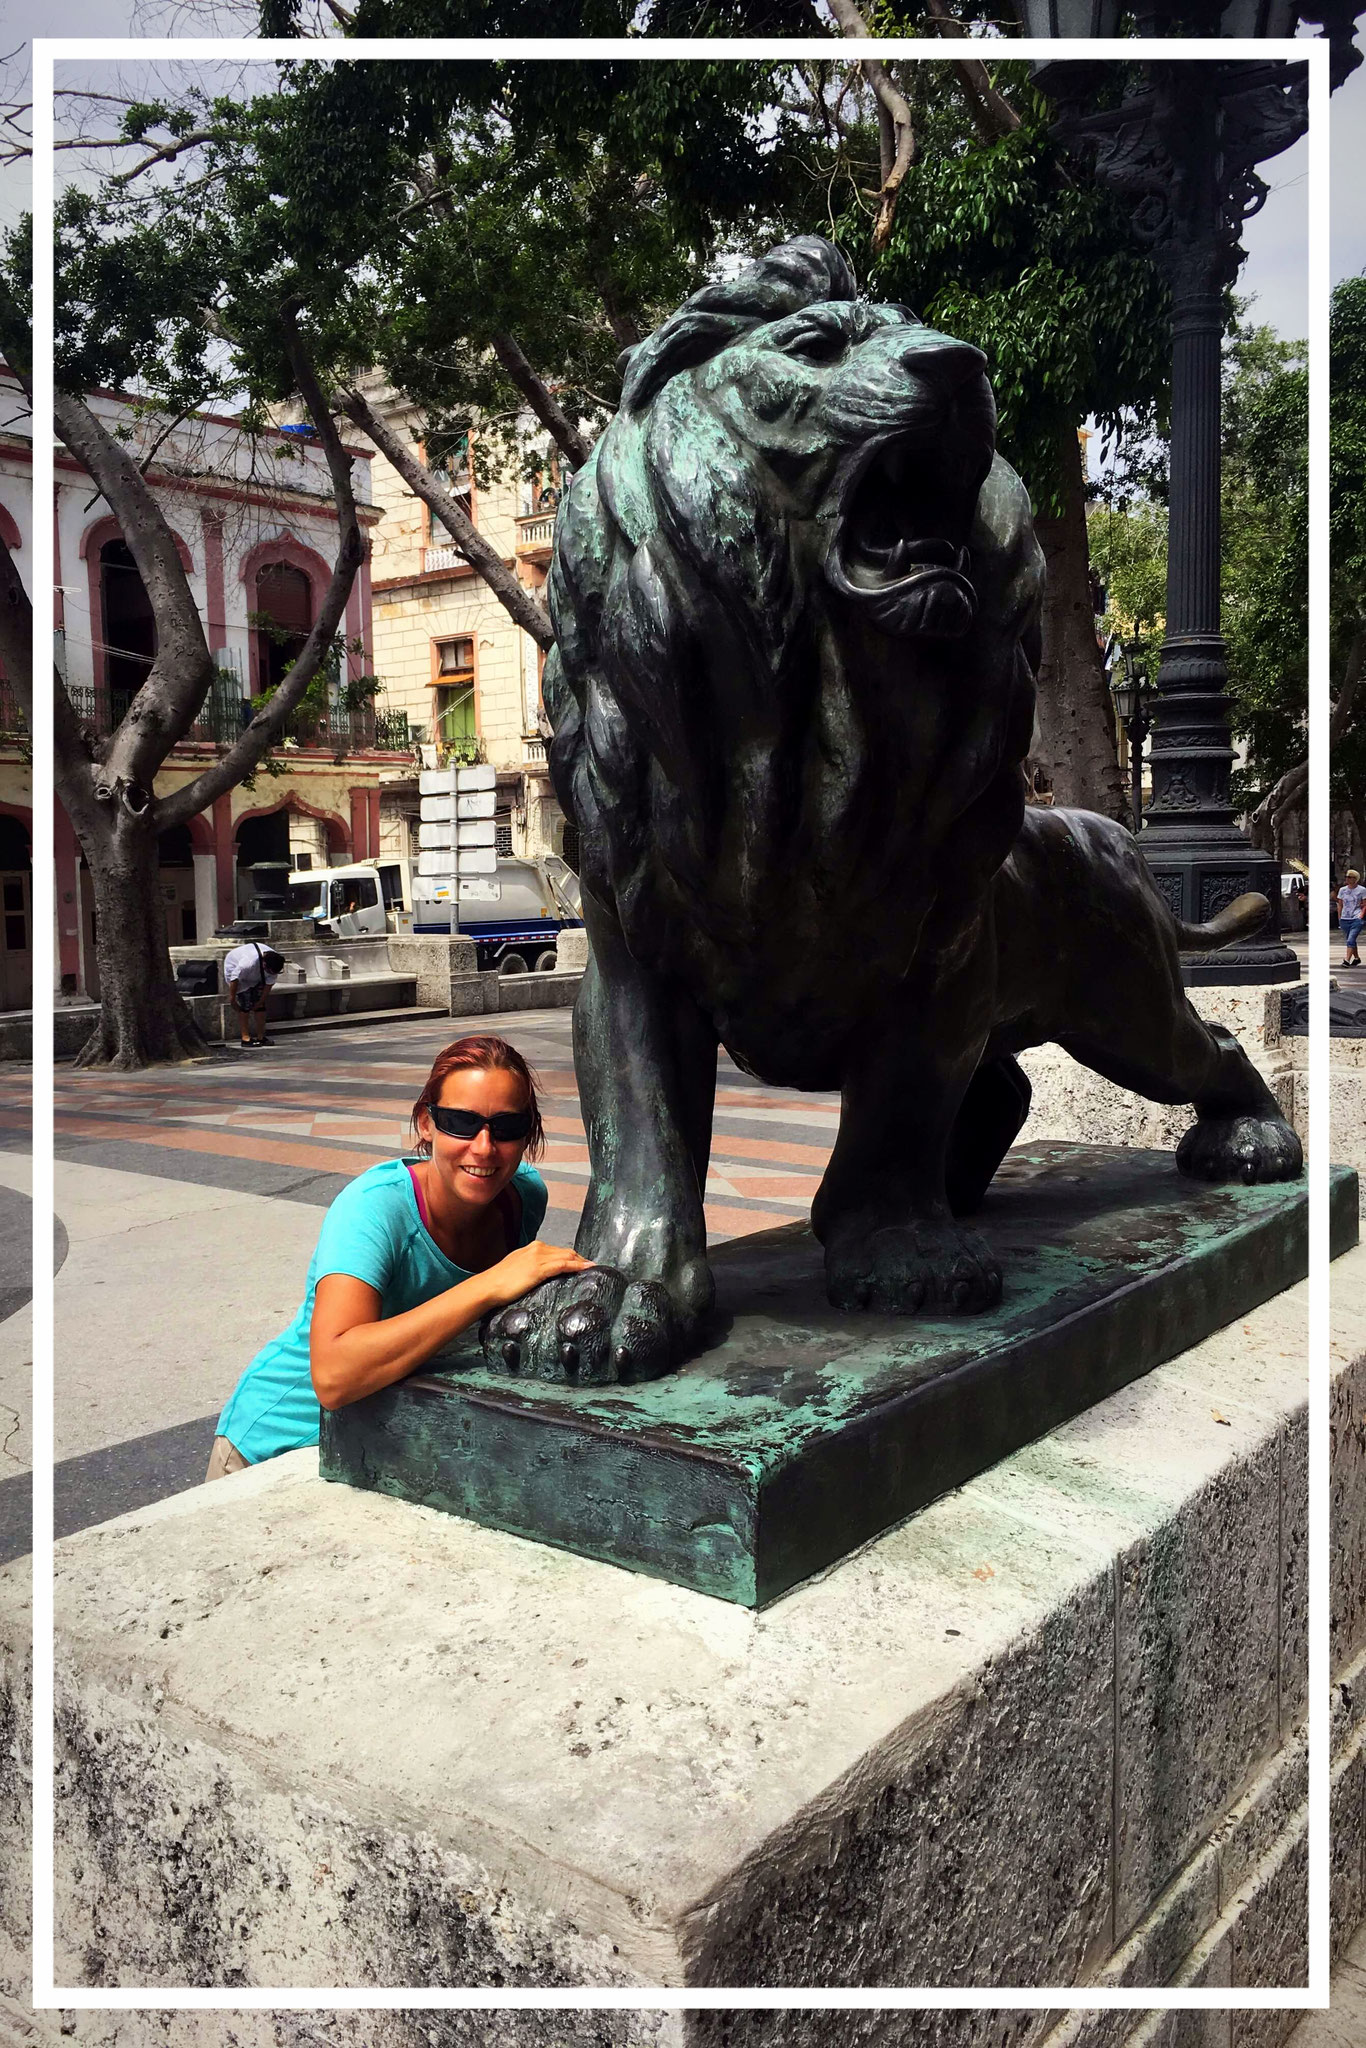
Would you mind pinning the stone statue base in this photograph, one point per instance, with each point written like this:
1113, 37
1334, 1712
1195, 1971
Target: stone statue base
803, 1432
1049, 1731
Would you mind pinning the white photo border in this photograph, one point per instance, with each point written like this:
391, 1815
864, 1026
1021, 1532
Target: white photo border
47, 1994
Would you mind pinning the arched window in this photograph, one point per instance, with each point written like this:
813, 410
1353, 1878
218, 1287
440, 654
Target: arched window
129, 628
284, 596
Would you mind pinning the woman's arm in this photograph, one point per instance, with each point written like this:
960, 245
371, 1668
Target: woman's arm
353, 1351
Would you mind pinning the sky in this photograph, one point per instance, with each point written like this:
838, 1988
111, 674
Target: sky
1274, 274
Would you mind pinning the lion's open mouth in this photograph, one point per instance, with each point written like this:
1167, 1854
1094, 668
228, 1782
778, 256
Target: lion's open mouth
897, 547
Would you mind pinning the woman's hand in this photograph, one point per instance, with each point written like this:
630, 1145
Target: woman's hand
353, 1351
527, 1267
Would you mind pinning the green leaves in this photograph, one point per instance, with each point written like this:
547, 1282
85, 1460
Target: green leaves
1263, 559
1011, 246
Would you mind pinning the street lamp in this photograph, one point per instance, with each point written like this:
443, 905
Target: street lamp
1130, 692
1181, 146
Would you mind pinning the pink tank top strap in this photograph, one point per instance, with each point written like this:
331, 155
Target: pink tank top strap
421, 1200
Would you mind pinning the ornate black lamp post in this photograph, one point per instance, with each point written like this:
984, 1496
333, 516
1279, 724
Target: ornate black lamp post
1130, 692
1182, 145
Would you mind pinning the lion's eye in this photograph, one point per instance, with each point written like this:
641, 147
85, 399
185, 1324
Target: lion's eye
816, 345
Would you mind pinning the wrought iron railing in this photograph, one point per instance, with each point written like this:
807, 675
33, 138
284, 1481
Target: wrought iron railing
224, 713
341, 731
221, 718
12, 720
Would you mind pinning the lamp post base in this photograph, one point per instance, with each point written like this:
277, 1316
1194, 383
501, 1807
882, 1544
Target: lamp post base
1199, 881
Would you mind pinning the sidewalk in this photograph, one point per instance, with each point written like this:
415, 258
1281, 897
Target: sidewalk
1344, 2023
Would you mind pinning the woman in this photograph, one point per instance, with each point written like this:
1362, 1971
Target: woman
1351, 914
410, 1254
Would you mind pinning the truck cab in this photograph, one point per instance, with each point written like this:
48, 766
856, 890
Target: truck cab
364, 896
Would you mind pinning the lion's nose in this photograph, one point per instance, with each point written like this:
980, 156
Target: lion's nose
937, 359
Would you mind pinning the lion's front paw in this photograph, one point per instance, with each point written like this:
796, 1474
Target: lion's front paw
1245, 1148
589, 1329
904, 1269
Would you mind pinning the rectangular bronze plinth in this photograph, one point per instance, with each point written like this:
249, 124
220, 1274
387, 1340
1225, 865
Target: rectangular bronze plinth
802, 1432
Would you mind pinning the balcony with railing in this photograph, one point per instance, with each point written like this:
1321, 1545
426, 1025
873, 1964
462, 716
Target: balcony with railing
13, 724
442, 558
224, 714
535, 534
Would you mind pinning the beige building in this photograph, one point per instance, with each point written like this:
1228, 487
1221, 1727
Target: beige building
467, 677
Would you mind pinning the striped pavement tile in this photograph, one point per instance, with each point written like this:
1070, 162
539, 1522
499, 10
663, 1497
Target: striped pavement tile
331, 1110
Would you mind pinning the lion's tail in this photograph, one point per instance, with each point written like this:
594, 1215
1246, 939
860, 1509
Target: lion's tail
1239, 921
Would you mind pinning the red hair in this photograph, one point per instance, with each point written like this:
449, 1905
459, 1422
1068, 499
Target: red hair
481, 1054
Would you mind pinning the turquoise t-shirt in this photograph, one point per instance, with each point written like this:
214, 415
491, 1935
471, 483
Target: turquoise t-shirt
374, 1231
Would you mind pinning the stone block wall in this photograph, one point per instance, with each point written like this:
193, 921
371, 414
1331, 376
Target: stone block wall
1072, 1102
1049, 1730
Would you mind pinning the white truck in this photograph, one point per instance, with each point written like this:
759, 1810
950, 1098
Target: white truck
522, 908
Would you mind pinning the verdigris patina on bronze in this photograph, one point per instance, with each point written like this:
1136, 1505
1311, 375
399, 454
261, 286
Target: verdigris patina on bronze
796, 598
800, 1432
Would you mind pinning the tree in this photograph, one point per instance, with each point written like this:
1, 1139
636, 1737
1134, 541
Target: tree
489, 237
1264, 562
131, 311
1265, 567
1347, 482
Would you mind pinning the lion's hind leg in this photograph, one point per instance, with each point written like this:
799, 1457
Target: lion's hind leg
1239, 1133
992, 1115
1090, 963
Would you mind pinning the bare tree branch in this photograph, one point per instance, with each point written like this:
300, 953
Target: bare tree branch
268, 724
165, 706
992, 116
896, 134
539, 397
166, 154
520, 603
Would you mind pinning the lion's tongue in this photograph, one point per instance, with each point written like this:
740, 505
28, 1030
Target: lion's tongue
910, 553
904, 557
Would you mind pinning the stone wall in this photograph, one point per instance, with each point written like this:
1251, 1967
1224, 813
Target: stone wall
1072, 1102
1047, 1731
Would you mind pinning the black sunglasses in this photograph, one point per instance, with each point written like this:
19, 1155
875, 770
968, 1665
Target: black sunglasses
504, 1128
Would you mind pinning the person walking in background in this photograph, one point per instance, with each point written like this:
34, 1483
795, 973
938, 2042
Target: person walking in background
251, 971
1351, 915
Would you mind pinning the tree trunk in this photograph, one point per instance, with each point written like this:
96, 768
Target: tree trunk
143, 1021
1357, 807
1075, 734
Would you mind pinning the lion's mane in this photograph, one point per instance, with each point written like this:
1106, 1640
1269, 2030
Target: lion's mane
673, 581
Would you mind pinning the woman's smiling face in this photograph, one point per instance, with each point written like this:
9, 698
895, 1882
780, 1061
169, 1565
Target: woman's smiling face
476, 1170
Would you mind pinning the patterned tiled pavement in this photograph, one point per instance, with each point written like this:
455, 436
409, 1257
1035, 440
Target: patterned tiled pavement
191, 1196
303, 1117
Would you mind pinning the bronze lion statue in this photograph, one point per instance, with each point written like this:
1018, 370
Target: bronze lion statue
796, 593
